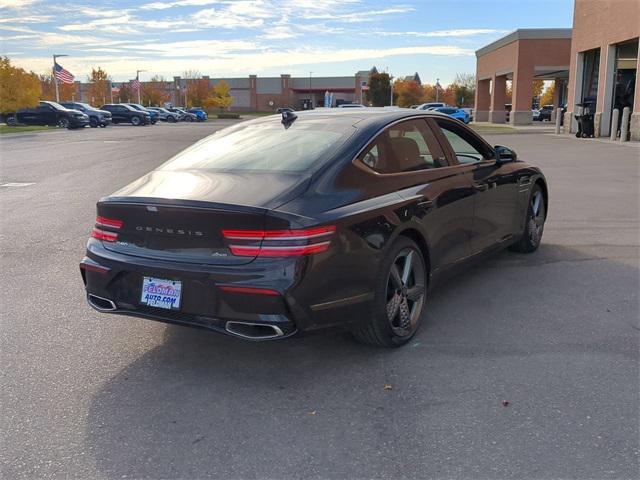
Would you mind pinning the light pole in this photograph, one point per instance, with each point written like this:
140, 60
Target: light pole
310, 94
391, 85
139, 86
55, 80
437, 89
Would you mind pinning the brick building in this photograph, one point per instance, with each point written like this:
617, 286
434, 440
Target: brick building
254, 93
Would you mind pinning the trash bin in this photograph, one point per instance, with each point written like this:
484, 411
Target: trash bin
585, 120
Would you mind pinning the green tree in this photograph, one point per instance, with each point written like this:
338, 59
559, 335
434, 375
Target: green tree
464, 89
18, 88
379, 92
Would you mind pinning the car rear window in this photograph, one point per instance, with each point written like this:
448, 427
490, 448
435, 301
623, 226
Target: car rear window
266, 146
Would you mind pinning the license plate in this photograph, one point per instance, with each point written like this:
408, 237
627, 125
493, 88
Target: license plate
161, 293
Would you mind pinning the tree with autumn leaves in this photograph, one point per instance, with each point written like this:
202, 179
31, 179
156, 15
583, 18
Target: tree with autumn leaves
155, 92
67, 91
18, 88
99, 89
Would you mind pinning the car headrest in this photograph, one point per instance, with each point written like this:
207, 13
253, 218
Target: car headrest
405, 151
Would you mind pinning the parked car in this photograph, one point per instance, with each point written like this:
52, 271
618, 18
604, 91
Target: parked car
154, 116
97, 118
200, 113
257, 244
184, 115
123, 113
535, 114
165, 115
430, 105
454, 112
545, 113
351, 105
50, 113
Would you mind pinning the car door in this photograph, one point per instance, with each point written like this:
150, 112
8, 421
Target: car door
47, 115
119, 113
495, 185
408, 156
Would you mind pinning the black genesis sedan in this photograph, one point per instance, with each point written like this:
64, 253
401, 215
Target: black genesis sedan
308, 220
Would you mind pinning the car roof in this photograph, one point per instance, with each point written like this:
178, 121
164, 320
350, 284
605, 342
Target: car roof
358, 117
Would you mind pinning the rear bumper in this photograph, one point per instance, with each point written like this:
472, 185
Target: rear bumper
113, 283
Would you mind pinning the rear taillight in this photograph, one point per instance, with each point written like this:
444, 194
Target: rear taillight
99, 233
279, 243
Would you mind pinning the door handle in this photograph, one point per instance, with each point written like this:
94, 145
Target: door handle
481, 187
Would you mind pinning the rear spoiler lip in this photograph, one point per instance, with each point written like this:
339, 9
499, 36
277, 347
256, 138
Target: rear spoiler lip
181, 203
296, 219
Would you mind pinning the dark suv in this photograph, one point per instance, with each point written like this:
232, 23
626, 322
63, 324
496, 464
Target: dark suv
100, 118
50, 113
121, 113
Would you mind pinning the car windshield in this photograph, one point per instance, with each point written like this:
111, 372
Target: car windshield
264, 147
55, 105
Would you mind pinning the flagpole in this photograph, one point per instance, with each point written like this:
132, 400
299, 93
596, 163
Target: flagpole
55, 80
139, 86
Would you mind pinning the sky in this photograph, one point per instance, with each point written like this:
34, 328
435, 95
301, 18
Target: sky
235, 38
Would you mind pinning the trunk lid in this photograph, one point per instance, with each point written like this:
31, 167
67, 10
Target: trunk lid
190, 234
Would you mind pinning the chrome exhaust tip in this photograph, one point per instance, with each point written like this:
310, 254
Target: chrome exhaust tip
101, 304
253, 331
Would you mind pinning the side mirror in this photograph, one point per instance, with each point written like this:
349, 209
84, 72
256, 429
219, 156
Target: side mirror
505, 154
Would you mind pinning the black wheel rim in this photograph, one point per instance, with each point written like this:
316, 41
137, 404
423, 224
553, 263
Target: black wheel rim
536, 219
405, 292
64, 123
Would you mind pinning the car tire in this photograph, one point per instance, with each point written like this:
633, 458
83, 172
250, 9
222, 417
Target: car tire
400, 292
188, 119
63, 123
93, 123
12, 121
171, 119
534, 223
103, 125
136, 121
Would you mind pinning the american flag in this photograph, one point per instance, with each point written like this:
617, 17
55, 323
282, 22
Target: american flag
62, 75
135, 84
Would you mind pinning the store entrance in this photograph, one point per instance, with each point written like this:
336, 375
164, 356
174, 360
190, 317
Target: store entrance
625, 76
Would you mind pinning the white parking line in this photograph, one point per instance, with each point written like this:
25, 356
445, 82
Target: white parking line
16, 184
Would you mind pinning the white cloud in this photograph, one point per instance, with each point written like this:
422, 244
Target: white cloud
241, 64
212, 17
27, 19
360, 16
463, 32
16, 3
179, 3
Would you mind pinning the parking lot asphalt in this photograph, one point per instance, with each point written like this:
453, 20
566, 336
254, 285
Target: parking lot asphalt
554, 334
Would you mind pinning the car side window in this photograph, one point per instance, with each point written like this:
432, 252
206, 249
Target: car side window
463, 145
404, 147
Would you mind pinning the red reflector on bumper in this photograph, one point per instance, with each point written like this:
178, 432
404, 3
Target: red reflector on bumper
251, 290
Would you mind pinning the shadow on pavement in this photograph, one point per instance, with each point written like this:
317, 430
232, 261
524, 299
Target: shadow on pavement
202, 404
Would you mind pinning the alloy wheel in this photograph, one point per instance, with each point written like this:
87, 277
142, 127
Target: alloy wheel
405, 292
63, 123
536, 220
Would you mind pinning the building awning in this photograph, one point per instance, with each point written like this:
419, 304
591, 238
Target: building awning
323, 90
